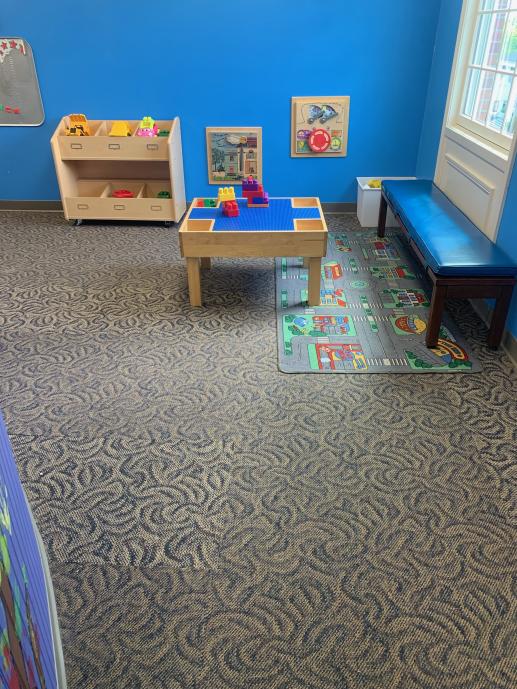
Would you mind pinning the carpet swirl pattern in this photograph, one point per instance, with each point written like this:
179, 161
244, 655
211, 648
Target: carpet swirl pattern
212, 523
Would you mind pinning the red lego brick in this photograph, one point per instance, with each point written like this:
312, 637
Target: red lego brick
230, 209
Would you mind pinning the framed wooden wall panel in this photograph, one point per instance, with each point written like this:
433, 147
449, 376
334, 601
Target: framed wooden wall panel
319, 126
233, 153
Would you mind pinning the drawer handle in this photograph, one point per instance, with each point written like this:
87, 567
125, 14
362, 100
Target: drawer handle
82, 206
76, 146
114, 147
156, 208
119, 207
152, 147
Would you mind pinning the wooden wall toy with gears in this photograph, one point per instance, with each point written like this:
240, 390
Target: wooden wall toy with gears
319, 126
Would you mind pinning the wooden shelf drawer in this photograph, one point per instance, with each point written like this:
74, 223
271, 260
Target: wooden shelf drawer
101, 146
95, 201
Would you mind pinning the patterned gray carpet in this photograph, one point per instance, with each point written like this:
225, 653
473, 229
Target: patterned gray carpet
212, 523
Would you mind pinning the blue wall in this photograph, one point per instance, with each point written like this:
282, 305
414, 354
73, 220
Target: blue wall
435, 107
219, 63
446, 33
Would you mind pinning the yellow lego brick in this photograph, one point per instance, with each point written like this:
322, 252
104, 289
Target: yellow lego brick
226, 194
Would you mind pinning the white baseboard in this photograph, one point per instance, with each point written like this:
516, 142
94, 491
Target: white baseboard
509, 341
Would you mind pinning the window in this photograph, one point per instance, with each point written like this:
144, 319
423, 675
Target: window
486, 95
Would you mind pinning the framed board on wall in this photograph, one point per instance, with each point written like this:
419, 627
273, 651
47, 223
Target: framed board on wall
233, 153
20, 98
319, 126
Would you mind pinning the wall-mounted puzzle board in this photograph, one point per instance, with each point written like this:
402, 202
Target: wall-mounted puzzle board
20, 98
319, 126
233, 153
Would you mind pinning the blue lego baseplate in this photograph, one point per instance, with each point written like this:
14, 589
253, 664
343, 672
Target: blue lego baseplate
278, 217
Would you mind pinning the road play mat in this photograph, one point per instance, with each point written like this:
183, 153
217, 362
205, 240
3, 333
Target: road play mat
373, 316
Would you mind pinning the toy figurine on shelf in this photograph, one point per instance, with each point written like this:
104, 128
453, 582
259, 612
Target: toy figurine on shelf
120, 128
163, 194
148, 127
254, 193
78, 126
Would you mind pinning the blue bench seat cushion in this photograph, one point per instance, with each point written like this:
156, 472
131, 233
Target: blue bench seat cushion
450, 243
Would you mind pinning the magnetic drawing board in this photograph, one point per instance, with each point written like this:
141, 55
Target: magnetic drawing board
20, 98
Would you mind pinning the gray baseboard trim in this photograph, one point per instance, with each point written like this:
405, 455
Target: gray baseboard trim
58, 206
30, 205
509, 341
339, 207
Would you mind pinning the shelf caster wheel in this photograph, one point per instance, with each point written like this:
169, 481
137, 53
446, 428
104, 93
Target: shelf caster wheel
75, 223
168, 223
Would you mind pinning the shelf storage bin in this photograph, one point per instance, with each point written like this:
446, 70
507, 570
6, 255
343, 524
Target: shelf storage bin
95, 199
90, 168
100, 145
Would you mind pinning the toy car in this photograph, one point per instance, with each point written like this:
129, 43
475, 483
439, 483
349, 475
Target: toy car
78, 126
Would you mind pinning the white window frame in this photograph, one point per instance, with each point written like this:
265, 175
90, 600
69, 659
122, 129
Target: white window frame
471, 170
488, 138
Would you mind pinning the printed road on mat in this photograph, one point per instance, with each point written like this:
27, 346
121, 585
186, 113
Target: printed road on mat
373, 314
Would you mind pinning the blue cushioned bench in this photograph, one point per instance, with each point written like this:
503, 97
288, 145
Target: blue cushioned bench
458, 258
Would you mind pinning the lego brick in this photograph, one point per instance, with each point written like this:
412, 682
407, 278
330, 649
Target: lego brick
230, 209
226, 194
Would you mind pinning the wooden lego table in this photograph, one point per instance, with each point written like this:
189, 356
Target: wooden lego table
289, 227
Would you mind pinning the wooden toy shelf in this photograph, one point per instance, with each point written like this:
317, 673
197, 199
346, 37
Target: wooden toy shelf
90, 168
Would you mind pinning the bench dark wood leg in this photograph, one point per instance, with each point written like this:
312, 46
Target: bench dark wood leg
381, 225
435, 315
502, 304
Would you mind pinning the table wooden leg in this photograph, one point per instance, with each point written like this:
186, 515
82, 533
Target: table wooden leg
314, 281
194, 281
205, 263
